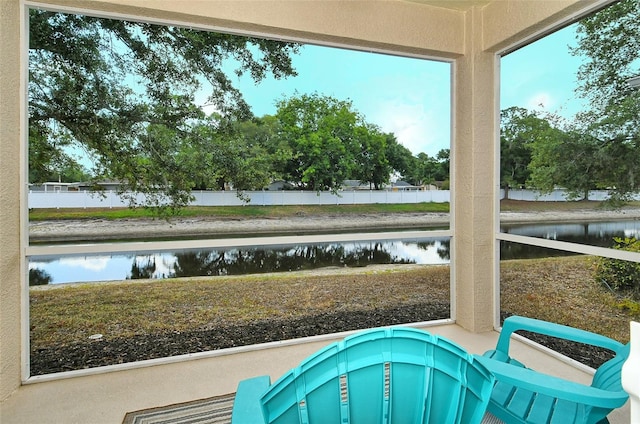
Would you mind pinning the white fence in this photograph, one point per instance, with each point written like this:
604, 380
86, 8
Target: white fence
110, 199
556, 195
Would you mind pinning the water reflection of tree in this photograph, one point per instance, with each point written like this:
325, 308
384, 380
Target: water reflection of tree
39, 277
590, 233
252, 261
602, 238
145, 270
443, 250
198, 263
509, 250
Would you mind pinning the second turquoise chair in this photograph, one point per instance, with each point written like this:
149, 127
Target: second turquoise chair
524, 396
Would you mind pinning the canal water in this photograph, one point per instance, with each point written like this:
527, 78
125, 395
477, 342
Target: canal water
211, 262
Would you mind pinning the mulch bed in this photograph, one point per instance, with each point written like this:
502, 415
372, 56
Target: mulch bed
110, 351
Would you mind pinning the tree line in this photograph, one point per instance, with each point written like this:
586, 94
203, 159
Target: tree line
123, 94
313, 142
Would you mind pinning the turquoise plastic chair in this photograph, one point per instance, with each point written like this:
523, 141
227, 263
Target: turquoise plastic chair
522, 395
392, 375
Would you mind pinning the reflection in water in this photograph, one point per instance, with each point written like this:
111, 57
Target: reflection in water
142, 269
38, 277
599, 234
590, 233
301, 257
252, 261
242, 261
509, 250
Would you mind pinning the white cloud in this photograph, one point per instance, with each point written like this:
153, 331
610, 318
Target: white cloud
541, 100
93, 263
418, 254
417, 129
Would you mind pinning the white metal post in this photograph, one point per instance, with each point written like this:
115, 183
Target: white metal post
631, 373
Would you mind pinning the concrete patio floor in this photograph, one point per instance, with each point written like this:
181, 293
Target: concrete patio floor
107, 397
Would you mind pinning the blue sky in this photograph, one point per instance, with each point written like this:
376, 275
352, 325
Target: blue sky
408, 97
411, 97
542, 75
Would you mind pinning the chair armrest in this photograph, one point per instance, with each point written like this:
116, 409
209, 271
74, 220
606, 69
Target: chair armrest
517, 323
552, 386
247, 408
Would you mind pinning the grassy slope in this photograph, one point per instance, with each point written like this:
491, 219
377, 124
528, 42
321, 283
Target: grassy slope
61, 315
559, 289
563, 290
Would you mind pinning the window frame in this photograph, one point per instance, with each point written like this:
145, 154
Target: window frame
29, 250
577, 248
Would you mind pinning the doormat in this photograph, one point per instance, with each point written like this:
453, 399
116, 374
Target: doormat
214, 410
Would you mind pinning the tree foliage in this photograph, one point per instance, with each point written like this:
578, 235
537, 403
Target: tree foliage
372, 165
320, 131
444, 159
328, 142
124, 94
546, 152
423, 169
48, 162
610, 42
567, 159
601, 148
323, 141
519, 128
401, 159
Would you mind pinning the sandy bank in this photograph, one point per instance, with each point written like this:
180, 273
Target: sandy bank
97, 229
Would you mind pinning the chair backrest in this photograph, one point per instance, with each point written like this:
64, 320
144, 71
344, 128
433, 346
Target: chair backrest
392, 375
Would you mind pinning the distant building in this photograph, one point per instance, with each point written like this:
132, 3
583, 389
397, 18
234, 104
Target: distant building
107, 185
54, 187
404, 186
280, 185
351, 185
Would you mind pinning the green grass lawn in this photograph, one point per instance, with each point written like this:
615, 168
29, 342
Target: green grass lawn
284, 211
238, 211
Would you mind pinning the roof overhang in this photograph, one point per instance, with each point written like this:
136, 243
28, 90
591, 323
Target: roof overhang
634, 82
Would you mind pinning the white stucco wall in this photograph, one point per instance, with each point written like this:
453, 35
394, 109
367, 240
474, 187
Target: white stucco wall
10, 299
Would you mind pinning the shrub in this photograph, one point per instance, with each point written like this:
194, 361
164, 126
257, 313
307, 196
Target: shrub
629, 305
621, 276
